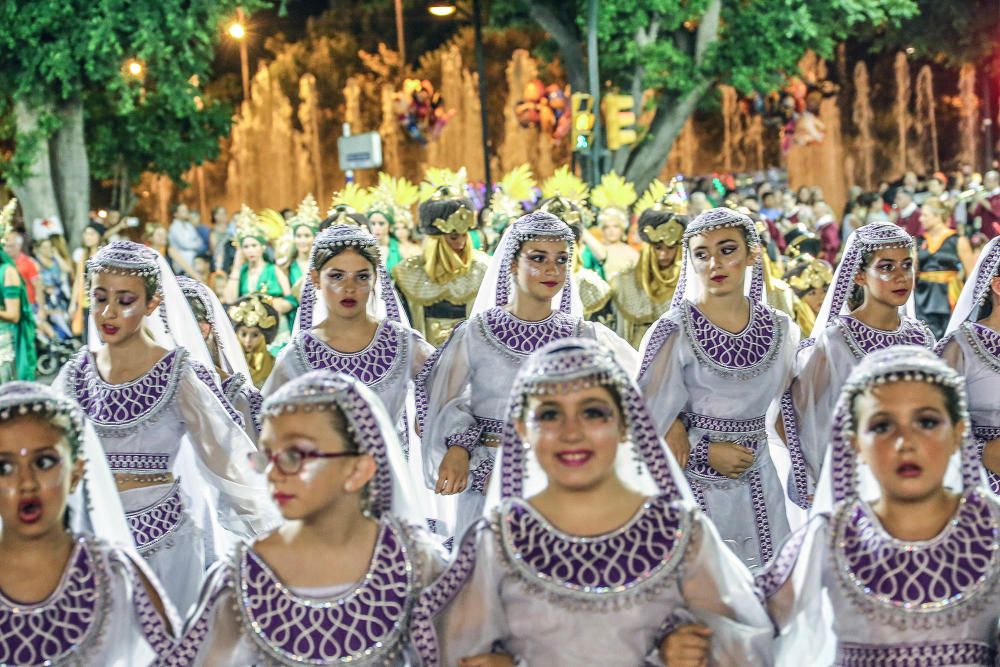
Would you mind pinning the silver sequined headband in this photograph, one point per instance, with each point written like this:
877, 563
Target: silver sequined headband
194, 289
341, 236
720, 218
18, 399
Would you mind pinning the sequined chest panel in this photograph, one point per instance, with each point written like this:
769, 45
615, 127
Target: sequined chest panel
742, 355
908, 583
381, 360
516, 338
638, 558
364, 626
66, 626
985, 343
863, 339
118, 410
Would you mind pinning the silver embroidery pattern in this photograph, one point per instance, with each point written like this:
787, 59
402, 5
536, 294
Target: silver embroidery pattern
944, 579
152, 525
924, 654
67, 624
616, 567
363, 626
117, 410
862, 339
372, 366
742, 355
985, 343
517, 338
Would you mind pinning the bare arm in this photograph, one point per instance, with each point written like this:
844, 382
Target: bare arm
965, 255
11, 307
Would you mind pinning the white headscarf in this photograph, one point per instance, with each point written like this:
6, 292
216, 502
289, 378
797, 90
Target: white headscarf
385, 304
231, 357
863, 241
172, 324
498, 282
976, 291
712, 219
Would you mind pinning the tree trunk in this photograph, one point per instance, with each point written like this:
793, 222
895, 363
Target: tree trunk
568, 41
71, 169
646, 161
36, 192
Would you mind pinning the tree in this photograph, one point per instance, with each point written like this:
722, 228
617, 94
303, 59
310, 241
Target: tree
681, 50
108, 84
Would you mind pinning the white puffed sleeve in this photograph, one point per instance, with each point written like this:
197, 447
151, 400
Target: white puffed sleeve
661, 370
625, 354
222, 450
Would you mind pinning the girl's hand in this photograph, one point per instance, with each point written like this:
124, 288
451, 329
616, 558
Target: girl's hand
453, 473
487, 659
677, 441
729, 459
687, 646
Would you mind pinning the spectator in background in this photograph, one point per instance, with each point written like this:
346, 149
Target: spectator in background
26, 266
56, 273
828, 231
770, 209
92, 238
907, 213
986, 205
158, 239
220, 240
203, 269
183, 239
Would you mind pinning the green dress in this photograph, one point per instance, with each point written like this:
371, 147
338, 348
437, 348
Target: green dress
267, 283
17, 340
395, 257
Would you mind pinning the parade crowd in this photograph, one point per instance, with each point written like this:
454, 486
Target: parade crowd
703, 424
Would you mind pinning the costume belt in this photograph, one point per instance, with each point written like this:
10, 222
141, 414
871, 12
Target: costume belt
490, 431
943, 277
720, 425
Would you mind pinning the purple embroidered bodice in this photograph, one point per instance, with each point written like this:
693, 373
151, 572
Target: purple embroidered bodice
638, 555
367, 622
745, 354
985, 342
118, 408
930, 577
863, 339
522, 337
371, 365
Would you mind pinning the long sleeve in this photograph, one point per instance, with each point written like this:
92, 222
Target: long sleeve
443, 401
661, 371
283, 370
222, 450
625, 354
719, 592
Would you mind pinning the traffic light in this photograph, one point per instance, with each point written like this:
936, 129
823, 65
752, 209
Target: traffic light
619, 119
583, 121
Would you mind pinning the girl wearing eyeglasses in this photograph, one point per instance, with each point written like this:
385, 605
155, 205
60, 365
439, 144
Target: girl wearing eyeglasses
337, 581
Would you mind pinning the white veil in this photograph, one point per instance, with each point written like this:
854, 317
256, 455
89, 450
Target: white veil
391, 491
862, 241
842, 477
94, 507
716, 218
231, 357
172, 324
642, 462
497, 282
976, 290
384, 302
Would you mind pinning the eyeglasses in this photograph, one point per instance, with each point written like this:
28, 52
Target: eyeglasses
290, 461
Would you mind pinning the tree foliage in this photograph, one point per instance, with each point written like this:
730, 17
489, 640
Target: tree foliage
54, 53
952, 33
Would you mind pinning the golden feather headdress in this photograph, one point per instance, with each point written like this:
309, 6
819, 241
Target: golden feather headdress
266, 225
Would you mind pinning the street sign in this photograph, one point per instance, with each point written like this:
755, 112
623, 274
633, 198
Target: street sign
360, 151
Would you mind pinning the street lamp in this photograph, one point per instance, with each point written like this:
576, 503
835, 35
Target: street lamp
443, 8
238, 31
134, 68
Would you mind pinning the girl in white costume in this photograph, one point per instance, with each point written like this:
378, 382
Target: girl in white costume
911, 574
170, 437
337, 581
971, 346
229, 362
67, 597
593, 553
712, 369
526, 300
864, 311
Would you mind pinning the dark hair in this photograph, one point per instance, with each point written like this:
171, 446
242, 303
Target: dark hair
340, 424
653, 218
198, 308
952, 402
205, 257
324, 255
440, 209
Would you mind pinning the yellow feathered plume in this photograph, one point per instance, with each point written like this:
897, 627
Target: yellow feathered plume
7, 216
564, 183
671, 198
397, 191
307, 214
267, 224
353, 197
515, 187
443, 184
613, 191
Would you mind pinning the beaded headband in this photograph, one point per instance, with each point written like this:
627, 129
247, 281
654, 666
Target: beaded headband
125, 258
341, 235
536, 226
194, 289
321, 390
19, 398
900, 363
720, 218
572, 364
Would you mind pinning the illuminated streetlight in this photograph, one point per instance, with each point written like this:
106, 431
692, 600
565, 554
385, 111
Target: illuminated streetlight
134, 68
441, 8
237, 31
